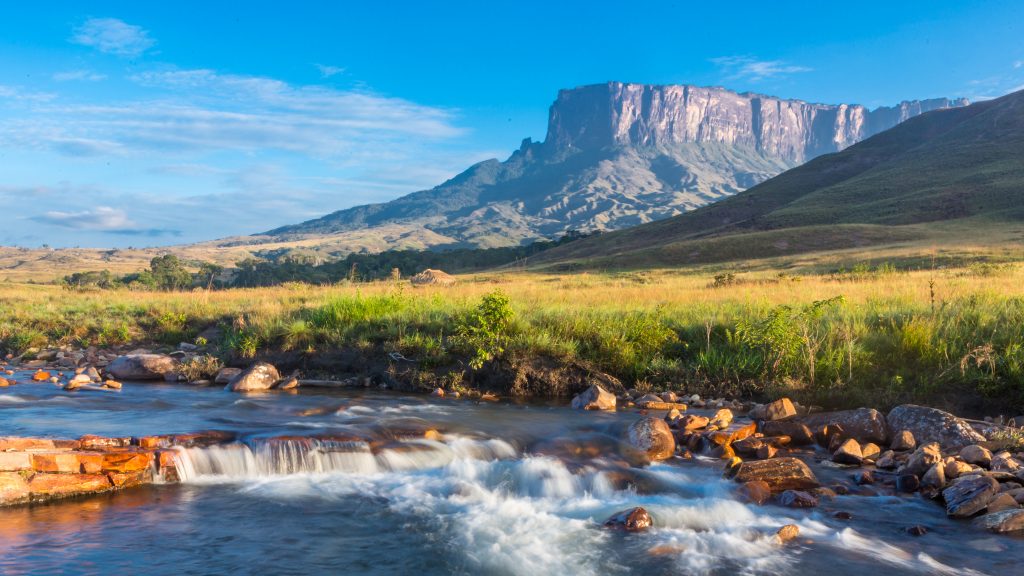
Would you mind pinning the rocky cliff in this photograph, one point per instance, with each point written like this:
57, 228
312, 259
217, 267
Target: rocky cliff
615, 155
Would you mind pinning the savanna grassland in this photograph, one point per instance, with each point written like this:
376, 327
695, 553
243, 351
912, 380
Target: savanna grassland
868, 335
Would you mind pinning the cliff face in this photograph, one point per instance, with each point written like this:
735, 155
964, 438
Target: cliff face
616, 155
617, 114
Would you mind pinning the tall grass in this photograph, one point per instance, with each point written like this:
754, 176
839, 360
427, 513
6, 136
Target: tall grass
869, 336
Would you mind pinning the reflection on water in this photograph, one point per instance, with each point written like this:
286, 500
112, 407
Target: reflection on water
349, 483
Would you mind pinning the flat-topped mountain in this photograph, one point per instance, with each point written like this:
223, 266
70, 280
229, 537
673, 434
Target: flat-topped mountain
615, 155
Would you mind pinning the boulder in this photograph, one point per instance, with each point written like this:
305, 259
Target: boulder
977, 455
798, 432
781, 409
969, 495
907, 483
933, 425
779, 473
903, 441
955, 468
430, 277
632, 520
653, 437
922, 460
594, 398
849, 452
1002, 522
1005, 462
142, 367
797, 499
259, 376
864, 424
224, 375
1002, 501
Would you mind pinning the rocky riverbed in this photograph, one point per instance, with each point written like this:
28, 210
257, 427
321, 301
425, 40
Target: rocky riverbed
619, 483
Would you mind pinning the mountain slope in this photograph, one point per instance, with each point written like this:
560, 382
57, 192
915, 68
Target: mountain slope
958, 167
618, 155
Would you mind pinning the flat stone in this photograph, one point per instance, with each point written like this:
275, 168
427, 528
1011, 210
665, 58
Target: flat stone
92, 442
969, 495
14, 461
693, 422
798, 432
933, 425
123, 462
1002, 522
779, 473
43, 486
14, 443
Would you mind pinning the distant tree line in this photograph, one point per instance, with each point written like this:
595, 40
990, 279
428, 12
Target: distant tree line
168, 272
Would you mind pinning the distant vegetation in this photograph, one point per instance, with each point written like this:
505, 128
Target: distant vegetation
168, 273
866, 335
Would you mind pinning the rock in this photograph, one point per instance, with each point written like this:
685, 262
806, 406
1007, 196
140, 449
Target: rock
903, 441
870, 451
594, 398
93, 442
1004, 462
864, 477
669, 397
977, 455
58, 485
693, 422
935, 477
632, 520
932, 425
1002, 501
798, 432
922, 460
142, 367
843, 515
41, 376
917, 530
259, 376
797, 499
290, 383
787, 533
672, 415
439, 393
4, 382
766, 451
224, 375
779, 473
722, 419
781, 409
652, 437
863, 424
755, 491
969, 495
13, 488
127, 461
848, 453
956, 468
1002, 522
908, 483
886, 460
15, 461
113, 384
430, 277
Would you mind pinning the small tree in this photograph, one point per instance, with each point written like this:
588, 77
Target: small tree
168, 273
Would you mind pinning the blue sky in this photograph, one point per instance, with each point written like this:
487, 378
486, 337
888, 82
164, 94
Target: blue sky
145, 123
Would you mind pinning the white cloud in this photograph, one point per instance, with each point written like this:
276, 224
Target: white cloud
1018, 64
754, 70
328, 71
99, 218
78, 75
113, 36
13, 93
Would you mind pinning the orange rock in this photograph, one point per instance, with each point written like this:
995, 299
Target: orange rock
126, 461
56, 485
13, 488
14, 461
152, 442
63, 462
165, 458
127, 480
12, 443
91, 462
720, 438
743, 432
91, 441
756, 491
41, 376
4, 383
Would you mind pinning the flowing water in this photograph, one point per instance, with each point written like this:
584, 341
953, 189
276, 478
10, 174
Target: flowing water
346, 482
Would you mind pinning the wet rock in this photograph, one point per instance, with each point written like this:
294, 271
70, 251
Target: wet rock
756, 491
259, 376
779, 473
594, 398
290, 383
45, 486
766, 451
1002, 522
864, 477
781, 409
917, 530
932, 425
13, 488
907, 483
113, 384
225, 375
693, 422
142, 367
969, 495
130, 461
41, 376
797, 499
722, 419
863, 424
922, 460
886, 460
787, 533
632, 520
652, 437
798, 432
439, 393
4, 382
1002, 501
903, 441
977, 455
843, 515
672, 416
848, 453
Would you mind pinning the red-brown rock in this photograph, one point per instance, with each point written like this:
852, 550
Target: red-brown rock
43, 486
632, 520
779, 473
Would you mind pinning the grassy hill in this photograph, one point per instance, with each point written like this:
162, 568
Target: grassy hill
941, 179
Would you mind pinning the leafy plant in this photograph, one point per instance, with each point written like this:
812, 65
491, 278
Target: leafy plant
485, 329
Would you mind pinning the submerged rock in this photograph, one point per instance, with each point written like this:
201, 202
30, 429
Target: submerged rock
933, 425
755, 491
653, 437
632, 520
594, 398
142, 367
787, 533
259, 376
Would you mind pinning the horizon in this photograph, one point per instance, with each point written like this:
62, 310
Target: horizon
135, 126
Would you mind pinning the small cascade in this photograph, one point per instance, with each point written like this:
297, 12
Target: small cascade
280, 457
